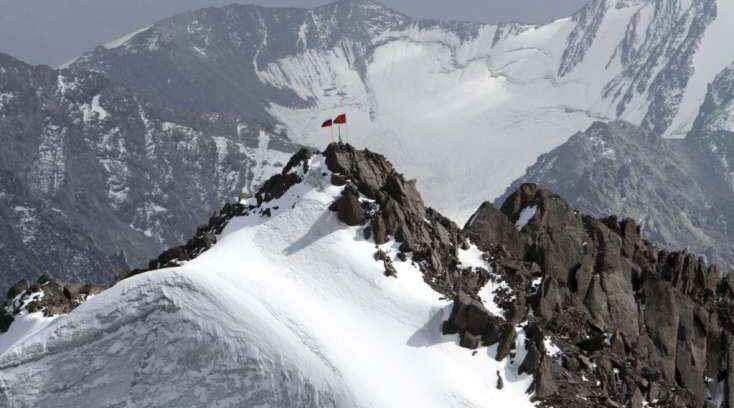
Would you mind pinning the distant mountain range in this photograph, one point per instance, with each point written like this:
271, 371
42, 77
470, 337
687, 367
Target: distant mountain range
94, 180
428, 92
465, 107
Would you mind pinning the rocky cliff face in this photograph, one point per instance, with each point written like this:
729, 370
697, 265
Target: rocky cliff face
93, 179
209, 60
609, 317
711, 137
677, 191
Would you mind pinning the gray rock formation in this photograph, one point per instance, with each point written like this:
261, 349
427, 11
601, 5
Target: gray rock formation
629, 324
50, 297
94, 179
676, 190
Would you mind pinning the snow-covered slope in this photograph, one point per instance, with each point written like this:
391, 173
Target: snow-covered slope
289, 309
426, 92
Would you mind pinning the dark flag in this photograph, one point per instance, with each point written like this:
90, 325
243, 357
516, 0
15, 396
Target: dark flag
326, 124
341, 119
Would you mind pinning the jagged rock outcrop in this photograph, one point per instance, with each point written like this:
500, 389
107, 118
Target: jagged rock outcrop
634, 325
376, 196
399, 214
46, 295
676, 189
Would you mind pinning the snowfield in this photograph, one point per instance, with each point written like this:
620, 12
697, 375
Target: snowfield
284, 311
502, 96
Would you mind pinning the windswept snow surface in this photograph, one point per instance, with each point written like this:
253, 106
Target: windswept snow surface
284, 311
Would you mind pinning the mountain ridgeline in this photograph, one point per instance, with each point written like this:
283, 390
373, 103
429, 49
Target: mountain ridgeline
591, 310
679, 190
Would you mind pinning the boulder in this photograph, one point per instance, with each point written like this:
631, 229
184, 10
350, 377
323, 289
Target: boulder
379, 230
469, 315
348, 208
490, 230
506, 342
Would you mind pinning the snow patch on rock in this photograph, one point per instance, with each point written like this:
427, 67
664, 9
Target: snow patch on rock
526, 215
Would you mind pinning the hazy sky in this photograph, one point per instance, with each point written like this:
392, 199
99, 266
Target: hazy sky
54, 31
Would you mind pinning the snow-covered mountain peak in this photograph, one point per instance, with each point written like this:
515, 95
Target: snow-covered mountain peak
290, 307
334, 286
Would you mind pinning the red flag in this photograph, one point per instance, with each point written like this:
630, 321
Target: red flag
341, 119
326, 124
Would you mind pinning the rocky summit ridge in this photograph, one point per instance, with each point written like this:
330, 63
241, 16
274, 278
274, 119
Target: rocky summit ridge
608, 318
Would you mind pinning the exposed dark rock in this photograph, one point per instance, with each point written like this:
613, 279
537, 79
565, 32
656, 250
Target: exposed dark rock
493, 232
17, 289
348, 208
48, 296
399, 213
681, 188
5, 320
473, 321
633, 322
390, 270
379, 230
338, 180
506, 342
291, 175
